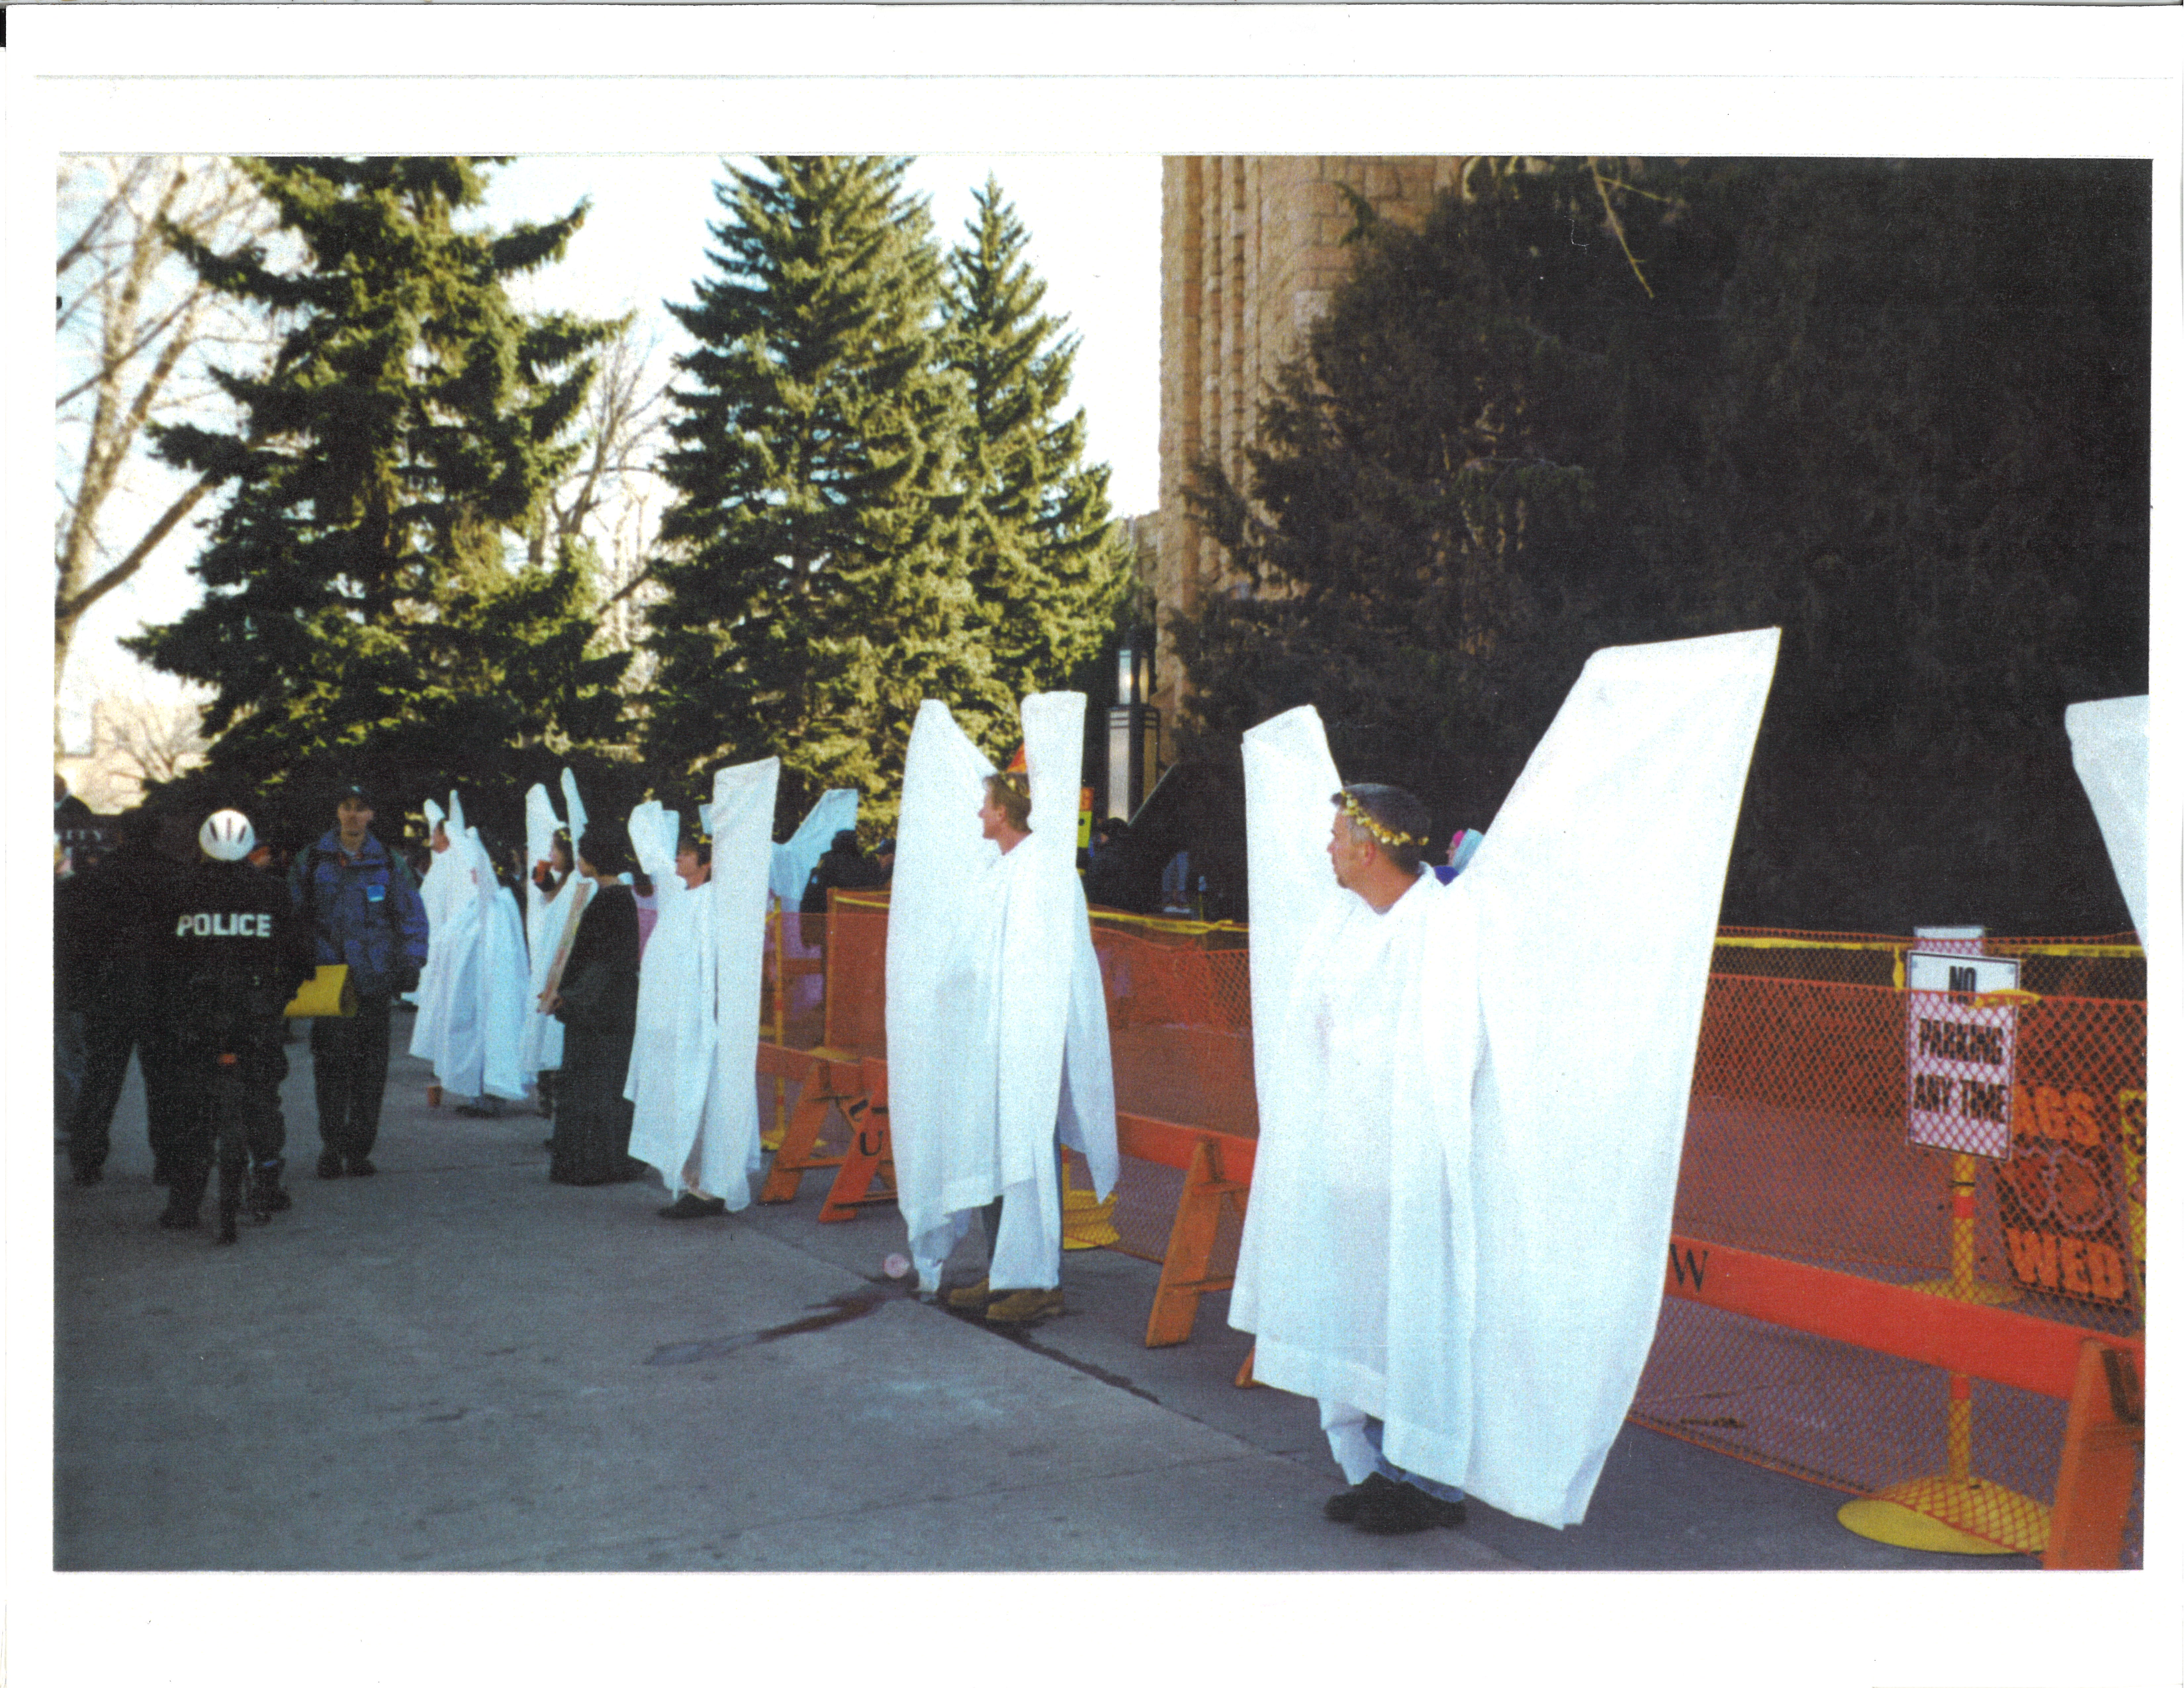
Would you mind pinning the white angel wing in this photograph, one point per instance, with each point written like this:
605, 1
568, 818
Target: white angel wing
741, 822
1289, 777
835, 811
2108, 748
1597, 892
1051, 975
574, 807
652, 832
939, 856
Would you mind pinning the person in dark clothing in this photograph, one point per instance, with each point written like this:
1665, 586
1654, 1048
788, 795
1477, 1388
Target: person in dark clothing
110, 924
843, 867
596, 1003
236, 950
360, 903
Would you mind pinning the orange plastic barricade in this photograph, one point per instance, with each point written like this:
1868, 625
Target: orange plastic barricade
1967, 1338
1217, 1168
2101, 1449
829, 1078
869, 1159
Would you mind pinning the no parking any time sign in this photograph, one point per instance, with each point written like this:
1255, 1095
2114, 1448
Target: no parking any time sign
1961, 1060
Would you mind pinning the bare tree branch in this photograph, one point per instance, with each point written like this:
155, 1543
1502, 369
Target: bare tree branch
138, 323
1615, 226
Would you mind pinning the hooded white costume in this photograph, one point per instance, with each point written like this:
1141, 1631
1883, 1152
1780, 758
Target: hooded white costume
546, 918
447, 985
2108, 748
472, 994
1471, 1106
504, 996
697, 995
997, 1026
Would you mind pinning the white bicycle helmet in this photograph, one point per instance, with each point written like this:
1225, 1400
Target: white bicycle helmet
226, 835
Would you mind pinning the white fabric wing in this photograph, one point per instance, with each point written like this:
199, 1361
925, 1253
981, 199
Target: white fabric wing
573, 805
543, 1032
506, 972
997, 1030
460, 1062
671, 1063
2109, 748
940, 858
1039, 939
1289, 781
1472, 1107
835, 811
447, 892
538, 824
741, 822
1598, 890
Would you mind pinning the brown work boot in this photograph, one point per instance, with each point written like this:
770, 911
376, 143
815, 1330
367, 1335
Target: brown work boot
1022, 1306
972, 1298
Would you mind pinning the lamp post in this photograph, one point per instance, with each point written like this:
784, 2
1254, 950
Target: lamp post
1133, 728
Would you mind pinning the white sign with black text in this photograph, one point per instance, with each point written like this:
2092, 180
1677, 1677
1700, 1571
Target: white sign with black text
1960, 1061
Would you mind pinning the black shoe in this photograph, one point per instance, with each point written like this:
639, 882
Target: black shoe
87, 1173
360, 1167
330, 1164
1343, 1508
268, 1199
1401, 1509
177, 1219
689, 1204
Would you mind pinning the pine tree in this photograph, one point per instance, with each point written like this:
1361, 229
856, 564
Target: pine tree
1048, 565
815, 588
368, 612
1896, 408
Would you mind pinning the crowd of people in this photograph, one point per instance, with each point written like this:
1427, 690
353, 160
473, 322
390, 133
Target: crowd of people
539, 1007
1454, 1237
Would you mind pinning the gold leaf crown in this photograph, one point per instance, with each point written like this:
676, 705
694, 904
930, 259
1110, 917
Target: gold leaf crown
1386, 835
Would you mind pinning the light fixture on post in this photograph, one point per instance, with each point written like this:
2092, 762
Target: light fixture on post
1132, 728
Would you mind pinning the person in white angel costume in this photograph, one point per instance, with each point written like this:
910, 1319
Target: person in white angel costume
694, 1113
1471, 1095
997, 1026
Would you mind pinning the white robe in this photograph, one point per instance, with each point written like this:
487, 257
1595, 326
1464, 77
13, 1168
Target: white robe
447, 1025
486, 992
1471, 1113
997, 1026
741, 822
671, 1057
542, 1031
698, 993
504, 993
2108, 748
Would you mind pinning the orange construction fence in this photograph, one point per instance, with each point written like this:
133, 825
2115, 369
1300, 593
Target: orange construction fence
1834, 1291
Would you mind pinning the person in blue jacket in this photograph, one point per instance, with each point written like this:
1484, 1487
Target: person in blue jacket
361, 903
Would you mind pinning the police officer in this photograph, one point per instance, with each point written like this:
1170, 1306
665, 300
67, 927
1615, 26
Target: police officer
238, 952
110, 926
361, 905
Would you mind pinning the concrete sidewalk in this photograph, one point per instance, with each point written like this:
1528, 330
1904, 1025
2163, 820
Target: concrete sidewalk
459, 1366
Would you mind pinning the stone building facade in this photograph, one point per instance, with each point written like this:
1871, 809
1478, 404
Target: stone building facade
1250, 252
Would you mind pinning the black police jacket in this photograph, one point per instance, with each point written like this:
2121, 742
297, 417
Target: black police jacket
236, 945
110, 925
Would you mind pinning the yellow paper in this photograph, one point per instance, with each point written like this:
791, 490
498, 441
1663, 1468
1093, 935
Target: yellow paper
326, 994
